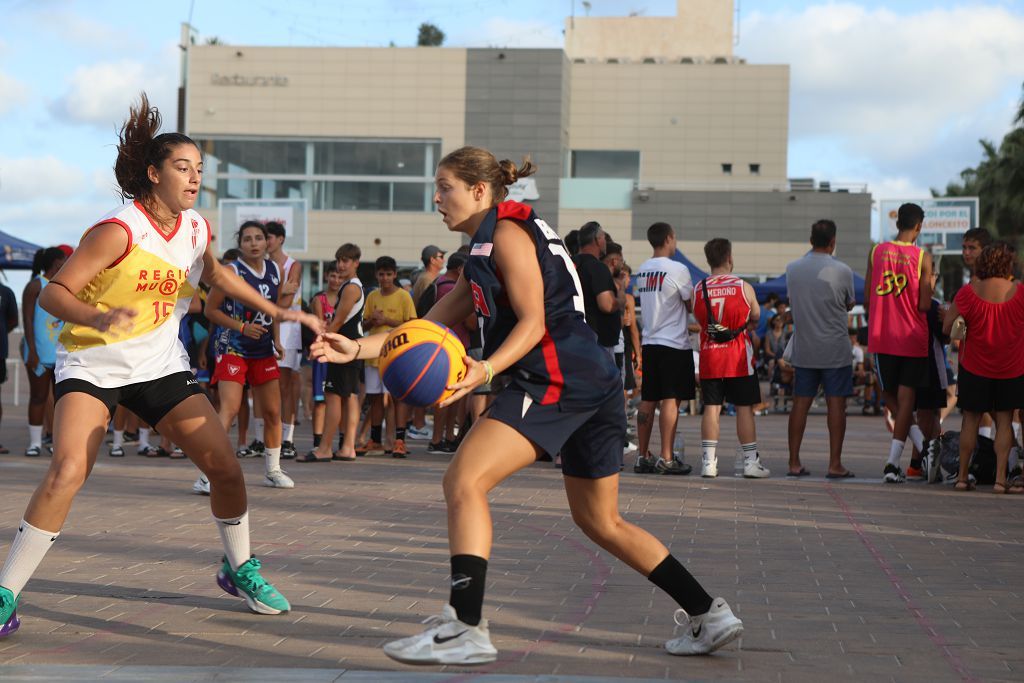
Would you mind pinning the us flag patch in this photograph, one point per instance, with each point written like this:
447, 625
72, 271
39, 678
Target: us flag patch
482, 249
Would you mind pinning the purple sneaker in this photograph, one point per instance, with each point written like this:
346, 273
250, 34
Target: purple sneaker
8, 613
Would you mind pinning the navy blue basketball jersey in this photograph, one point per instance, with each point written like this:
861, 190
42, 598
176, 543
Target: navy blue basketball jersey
266, 283
567, 366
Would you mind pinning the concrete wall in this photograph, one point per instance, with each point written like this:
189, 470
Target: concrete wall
773, 227
700, 28
686, 120
516, 105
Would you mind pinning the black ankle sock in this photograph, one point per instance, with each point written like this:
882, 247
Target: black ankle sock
672, 577
375, 433
316, 440
341, 440
400, 434
469, 574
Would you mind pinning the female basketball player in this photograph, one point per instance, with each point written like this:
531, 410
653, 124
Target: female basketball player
564, 395
39, 345
121, 296
251, 346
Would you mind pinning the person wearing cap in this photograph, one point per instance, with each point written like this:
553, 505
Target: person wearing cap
433, 261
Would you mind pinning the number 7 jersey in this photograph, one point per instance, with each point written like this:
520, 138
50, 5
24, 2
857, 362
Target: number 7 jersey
895, 326
156, 276
567, 366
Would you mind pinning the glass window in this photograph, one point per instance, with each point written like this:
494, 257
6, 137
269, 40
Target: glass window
605, 164
755, 169
412, 197
375, 157
727, 169
254, 156
352, 196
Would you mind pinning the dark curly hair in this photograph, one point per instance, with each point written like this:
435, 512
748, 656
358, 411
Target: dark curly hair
996, 260
140, 147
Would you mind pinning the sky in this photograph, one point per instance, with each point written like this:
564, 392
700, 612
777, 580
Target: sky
894, 94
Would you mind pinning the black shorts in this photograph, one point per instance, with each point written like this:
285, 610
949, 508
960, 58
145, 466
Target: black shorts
668, 373
151, 400
930, 399
902, 371
983, 394
739, 391
590, 441
343, 379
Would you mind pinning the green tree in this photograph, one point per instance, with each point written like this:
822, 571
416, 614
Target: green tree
430, 36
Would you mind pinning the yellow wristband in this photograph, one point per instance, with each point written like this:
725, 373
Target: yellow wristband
488, 370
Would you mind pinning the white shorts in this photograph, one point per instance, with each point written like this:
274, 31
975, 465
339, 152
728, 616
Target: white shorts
374, 385
292, 359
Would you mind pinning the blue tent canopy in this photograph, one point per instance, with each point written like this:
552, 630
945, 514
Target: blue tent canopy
778, 286
16, 254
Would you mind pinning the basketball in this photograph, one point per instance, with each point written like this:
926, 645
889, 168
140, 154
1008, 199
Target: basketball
418, 361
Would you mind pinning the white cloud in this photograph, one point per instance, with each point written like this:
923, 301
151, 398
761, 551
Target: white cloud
101, 93
909, 93
14, 93
501, 32
27, 179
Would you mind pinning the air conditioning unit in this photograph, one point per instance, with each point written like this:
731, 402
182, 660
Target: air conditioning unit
801, 184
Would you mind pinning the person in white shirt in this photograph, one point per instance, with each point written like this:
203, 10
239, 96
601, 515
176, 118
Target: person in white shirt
665, 291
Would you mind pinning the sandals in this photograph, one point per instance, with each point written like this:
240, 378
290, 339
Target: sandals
311, 457
1002, 488
964, 485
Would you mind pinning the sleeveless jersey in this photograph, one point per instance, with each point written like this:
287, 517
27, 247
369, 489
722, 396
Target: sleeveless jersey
45, 329
156, 276
267, 283
352, 327
291, 330
567, 366
731, 309
895, 326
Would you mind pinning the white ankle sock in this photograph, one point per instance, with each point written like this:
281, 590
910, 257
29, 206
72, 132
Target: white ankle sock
749, 451
273, 459
917, 437
707, 449
985, 432
287, 431
143, 439
27, 550
35, 436
118, 438
895, 452
234, 534
1016, 432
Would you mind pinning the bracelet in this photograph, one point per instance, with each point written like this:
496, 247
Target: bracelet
489, 370
242, 328
359, 349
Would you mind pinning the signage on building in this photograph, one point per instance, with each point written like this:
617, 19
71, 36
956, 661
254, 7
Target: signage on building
523, 189
274, 81
945, 221
291, 213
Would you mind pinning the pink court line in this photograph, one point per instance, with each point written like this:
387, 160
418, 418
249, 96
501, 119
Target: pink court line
955, 663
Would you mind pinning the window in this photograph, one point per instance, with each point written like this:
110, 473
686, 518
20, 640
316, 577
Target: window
755, 169
334, 175
605, 164
726, 169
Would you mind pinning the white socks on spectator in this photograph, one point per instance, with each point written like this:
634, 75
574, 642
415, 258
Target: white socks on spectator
27, 550
707, 449
288, 431
234, 534
749, 450
118, 438
1016, 432
917, 437
273, 459
985, 432
895, 452
35, 436
143, 439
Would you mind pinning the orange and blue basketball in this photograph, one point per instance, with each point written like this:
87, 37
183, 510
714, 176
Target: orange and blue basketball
419, 360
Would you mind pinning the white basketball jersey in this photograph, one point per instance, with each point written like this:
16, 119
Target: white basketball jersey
291, 331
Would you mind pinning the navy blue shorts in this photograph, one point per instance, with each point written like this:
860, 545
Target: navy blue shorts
836, 381
590, 441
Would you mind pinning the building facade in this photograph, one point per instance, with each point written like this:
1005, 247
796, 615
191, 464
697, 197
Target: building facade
638, 119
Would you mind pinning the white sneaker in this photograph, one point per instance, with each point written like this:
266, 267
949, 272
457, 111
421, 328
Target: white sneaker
202, 486
446, 641
707, 632
278, 479
629, 447
418, 434
709, 468
933, 450
753, 469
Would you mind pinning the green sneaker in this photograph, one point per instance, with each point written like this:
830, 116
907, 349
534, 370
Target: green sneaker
9, 621
246, 581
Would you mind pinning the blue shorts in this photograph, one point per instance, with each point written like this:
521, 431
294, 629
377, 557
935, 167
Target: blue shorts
590, 441
837, 381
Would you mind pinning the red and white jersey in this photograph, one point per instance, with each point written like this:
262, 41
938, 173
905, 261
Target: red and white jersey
731, 309
895, 326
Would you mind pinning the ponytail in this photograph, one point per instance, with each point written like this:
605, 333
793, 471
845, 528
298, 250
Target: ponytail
45, 258
140, 147
472, 165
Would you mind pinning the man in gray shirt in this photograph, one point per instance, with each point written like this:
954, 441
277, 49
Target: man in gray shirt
820, 296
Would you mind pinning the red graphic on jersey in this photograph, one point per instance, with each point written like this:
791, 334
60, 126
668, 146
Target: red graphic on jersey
479, 302
511, 209
168, 287
195, 232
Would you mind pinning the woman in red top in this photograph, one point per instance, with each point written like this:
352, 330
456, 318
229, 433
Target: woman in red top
991, 377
